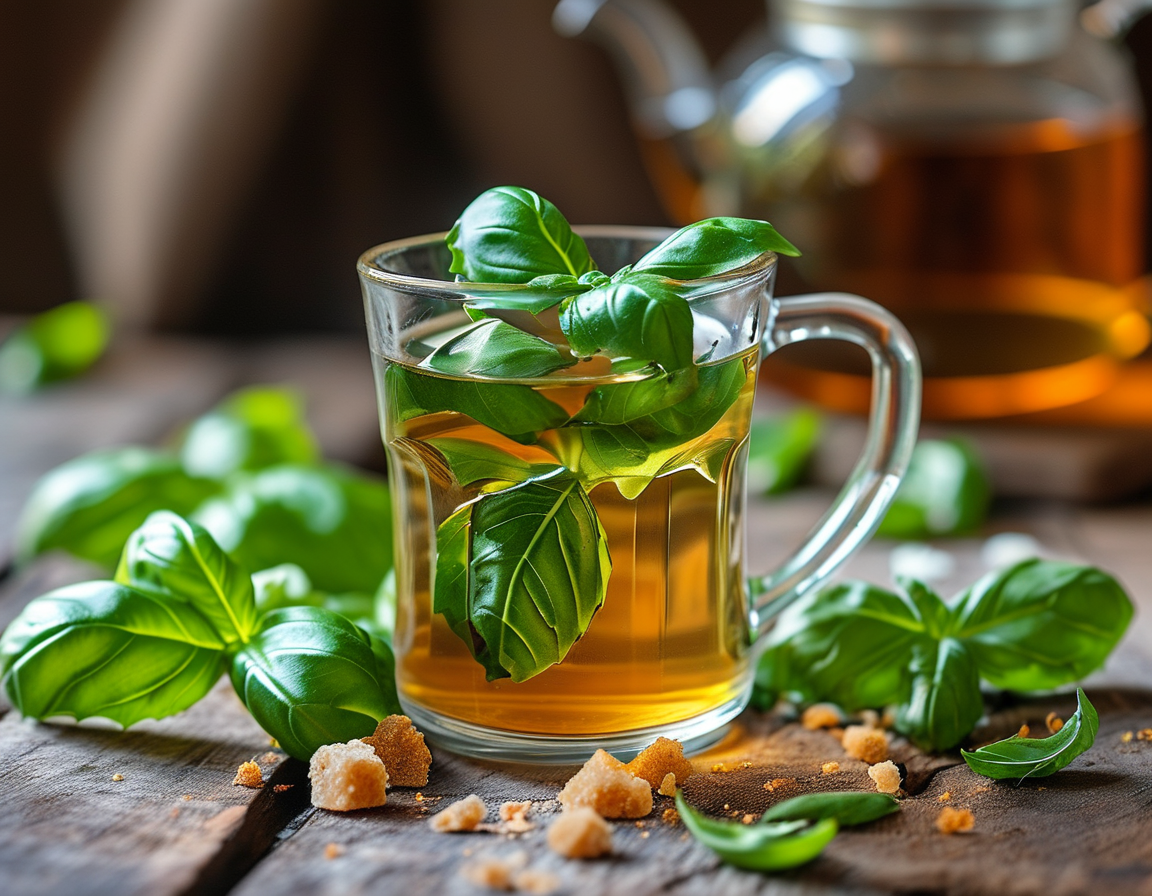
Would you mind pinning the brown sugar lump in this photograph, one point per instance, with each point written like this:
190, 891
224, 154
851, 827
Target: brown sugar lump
580, 833
657, 760
830, 768
886, 776
402, 750
820, 715
605, 785
462, 815
668, 785
247, 775
951, 821
865, 743
347, 776
514, 815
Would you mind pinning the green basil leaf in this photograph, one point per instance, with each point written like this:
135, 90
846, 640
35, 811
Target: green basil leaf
493, 348
780, 448
847, 808
619, 403
450, 587
944, 492
719, 385
176, 559
537, 573
519, 412
334, 523
57, 344
945, 702
851, 644
513, 235
475, 461
1041, 624
597, 278
1024, 757
91, 504
252, 429
759, 847
310, 677
642, 317
104, 649
713, 246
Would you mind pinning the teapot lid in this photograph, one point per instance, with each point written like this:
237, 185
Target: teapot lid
941, 32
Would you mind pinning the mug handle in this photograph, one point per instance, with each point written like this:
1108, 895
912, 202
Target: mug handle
892, 427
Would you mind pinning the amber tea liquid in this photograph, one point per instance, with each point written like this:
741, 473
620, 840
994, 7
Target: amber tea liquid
670, 641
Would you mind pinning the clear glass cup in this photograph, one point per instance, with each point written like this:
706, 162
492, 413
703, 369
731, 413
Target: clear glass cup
670, 651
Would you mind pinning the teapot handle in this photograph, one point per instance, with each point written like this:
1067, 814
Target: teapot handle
893, 424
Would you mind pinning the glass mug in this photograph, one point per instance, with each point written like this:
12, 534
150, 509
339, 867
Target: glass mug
670, 651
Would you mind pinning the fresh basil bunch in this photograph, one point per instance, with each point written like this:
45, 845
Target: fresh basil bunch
179, 613
523, 568
1034, 626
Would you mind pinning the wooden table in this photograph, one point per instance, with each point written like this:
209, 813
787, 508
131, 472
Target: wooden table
175, 823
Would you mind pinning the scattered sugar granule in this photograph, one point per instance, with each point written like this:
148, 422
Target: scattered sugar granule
347, 776
779, 784
657, 760
580, 833
945, 796
820, 715
333, 851
402, 750
605, 785
1054, 722
1126, 737
670, 816
534, 880
748, 818
830, 768
462, 815
644, 835
1024, 731
187, 797
976, 790
248, 775
867, 744
1144, 734
720, 767
515, 816
119, 777
494, 873
886, 776
668, 785
950, 820
269, 757
281, 788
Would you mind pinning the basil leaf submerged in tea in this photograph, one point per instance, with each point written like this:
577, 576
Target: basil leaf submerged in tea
513, 235
1024, 757
108, 650
493, 348
521, 573
713, 246
310, 677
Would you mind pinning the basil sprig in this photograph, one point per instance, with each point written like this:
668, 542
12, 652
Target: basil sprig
791, 833
1034, 626
181, 612
1024, 757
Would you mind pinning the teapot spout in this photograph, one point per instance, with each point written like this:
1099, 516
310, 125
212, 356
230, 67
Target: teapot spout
665, 73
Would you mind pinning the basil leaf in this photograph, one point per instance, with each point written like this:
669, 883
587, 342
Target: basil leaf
542, 293
494, 348
945, 702
619, 403
475, 461
537, 573
57, 344
642, 317
713, 246
759, 847
516, 411
719, 385
333, 523
310, 677
1023, 757
254, 428
1041, 624
847, 808
944, 492
852, 644
175, 559
104, 649
450, 587
90, 505
779, 450
512, 235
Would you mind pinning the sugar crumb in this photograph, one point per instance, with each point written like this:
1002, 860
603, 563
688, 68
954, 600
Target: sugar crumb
866, 744
535, 880
580, 833
494, 873
1144, 734
886, 776
1054, 722
668, 785
402, 750
820, 715
281, 788
605, 785
670, 816
748, 818
1126, 737
644, 835
951, 821
830, 768
248, 775
659, 759
187, 797
777, 784
944, 797
346, 777
462, 815
721, 767
1024, 731
268, 758
514, 817
119, 777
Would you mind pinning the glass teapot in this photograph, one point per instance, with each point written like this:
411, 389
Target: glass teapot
974, 165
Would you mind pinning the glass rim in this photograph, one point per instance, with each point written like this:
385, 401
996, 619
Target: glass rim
461, 291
